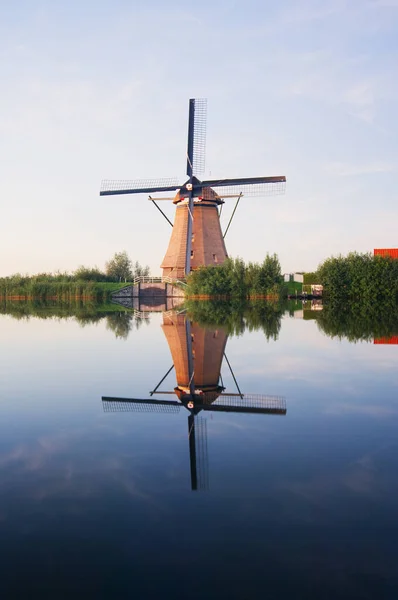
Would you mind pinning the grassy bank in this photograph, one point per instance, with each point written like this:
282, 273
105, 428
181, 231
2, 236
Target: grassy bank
28, 288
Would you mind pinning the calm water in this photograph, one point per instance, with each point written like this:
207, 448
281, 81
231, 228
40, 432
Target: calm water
96, 498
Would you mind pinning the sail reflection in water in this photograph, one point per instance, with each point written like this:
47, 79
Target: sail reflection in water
198, 355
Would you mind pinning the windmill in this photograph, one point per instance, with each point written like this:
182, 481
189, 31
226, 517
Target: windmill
196, 238
198, 355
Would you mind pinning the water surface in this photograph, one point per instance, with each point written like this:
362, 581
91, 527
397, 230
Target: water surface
99, 504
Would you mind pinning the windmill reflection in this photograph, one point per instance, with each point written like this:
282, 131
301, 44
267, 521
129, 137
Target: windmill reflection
198, 355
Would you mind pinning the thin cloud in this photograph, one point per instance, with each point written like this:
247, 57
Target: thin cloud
384, 4
371, 410
347, 170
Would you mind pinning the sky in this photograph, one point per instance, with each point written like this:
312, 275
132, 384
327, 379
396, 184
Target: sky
99, 90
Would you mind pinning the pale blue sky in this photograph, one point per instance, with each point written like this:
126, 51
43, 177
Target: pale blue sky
96, 90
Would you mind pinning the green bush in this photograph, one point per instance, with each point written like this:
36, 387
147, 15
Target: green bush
236, 279
361, 279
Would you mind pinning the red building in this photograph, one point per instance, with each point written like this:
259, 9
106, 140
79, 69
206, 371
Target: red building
393, 252
386, 340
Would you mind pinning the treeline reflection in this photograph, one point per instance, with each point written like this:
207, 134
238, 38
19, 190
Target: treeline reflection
349, 322
359, 324
120, 321
355, 323
237, 317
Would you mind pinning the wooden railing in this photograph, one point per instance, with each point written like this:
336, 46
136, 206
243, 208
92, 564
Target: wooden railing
148, 279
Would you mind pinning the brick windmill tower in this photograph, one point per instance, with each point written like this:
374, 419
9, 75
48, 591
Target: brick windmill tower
196, 238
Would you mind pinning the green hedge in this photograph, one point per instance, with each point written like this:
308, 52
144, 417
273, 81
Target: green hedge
236, 279
360, 279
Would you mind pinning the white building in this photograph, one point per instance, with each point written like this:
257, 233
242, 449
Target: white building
297, 277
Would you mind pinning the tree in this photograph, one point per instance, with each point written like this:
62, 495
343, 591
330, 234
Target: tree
120, 323
119, 268
270, 275
139, 271
89, 274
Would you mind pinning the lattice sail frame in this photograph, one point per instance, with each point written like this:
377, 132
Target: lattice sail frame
202, 453
139, 185
251, 190
113, 406
209, 400
199, 136
195, 166
252, 401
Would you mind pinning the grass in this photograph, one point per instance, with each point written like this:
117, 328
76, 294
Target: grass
293, 287
58, 290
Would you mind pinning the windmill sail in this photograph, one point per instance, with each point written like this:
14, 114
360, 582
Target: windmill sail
247, 186
198, 453
112, 404
196, 136
111, 187
248, 403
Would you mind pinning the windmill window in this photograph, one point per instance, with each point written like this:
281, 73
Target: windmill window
191, 253
215, 258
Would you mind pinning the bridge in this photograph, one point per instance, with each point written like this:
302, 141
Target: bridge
154, 294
